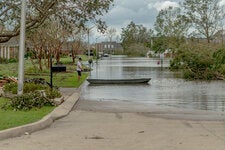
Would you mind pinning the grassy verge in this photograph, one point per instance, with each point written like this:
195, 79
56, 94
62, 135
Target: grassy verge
10, 118
63, 79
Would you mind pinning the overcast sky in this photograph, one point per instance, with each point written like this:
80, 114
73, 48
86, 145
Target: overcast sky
139, 11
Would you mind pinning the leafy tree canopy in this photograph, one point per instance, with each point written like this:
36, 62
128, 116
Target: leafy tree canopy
205, 16
135, 34
70, 13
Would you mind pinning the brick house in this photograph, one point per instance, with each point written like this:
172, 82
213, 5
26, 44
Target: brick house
108, 47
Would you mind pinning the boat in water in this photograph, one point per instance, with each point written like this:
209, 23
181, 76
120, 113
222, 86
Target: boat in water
118, 81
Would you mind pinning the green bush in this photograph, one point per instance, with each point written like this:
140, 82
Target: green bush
28, 101
3, 60
52, 93
13, 60
6, 61
196, 61
219, 58
188, 75
222, 70
28, 87
35, 96
10, 88
31, 87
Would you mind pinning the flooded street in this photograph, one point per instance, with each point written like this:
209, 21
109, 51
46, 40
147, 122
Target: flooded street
165, 89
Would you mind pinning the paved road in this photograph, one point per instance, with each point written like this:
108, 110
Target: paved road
89, 129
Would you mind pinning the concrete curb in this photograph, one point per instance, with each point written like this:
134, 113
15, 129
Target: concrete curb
59, 112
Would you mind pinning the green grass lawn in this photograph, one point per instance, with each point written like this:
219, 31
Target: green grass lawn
63, 79
60, 79
10, 118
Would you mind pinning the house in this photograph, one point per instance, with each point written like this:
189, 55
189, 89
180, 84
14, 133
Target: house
10, 49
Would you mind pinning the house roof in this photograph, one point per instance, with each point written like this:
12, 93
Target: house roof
14, 41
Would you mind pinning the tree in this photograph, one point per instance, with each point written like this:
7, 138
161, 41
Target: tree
38, 40
69, 12
135, 34
171, 27
205, 16
171, 23
110, 33
76, 43
47, 41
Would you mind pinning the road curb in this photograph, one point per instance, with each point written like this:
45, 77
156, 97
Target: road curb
59, 112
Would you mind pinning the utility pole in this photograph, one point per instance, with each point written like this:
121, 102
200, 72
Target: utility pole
89, 47
96, 47
21, 48
88, 44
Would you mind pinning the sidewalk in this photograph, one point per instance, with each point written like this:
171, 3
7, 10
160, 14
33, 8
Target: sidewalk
71, 95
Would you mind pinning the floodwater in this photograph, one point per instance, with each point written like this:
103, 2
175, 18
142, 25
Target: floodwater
165, 88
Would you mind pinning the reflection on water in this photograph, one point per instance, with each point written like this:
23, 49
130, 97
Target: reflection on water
165, 88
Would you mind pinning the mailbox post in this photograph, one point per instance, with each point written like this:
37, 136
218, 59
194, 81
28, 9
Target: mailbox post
55, 68
51, 72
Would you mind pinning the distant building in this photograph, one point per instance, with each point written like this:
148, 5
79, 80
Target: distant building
108, 47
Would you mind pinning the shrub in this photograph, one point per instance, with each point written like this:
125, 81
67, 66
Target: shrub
31, 87
33, 96
52, 93
13, 60
222, 70
3, 60
6, 61
28, 101
10, 88
196, 61
28, 87
219, 58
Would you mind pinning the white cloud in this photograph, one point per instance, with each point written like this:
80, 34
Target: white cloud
162, 5
142, 12
222, 3
130, 10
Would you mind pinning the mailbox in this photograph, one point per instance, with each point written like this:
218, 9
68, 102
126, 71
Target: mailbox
58, 68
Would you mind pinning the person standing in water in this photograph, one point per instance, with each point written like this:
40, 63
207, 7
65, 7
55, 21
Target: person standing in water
79, 69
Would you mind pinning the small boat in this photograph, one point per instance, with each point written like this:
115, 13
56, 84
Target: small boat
118, 81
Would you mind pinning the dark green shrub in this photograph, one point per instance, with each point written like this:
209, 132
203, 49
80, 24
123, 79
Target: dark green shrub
10, 88
219, 58
196, 61
29, 100
35, 96
188, 75
3, 60
13, 60
28, 87
31, 87
52, 93
222, 69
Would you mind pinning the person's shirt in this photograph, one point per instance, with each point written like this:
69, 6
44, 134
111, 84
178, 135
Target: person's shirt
79, 66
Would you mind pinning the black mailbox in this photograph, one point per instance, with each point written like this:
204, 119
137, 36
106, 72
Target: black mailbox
58, 68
